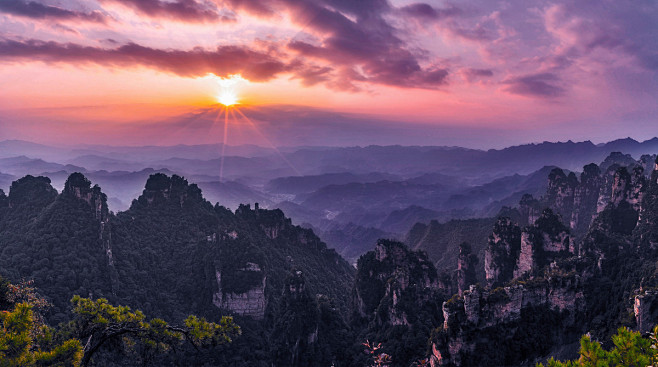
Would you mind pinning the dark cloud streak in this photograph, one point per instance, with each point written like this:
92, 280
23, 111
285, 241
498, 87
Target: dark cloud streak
543, 85
427, 12
36, 10
224, 60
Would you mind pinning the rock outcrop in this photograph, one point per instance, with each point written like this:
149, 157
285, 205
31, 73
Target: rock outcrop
578, 202
466, 268
252, 302
78, 186
160, 189
627, 186
505, 314
585, 199
393, 283
560, 192
645, 309
271, 222
543, 242
502, 251
647, 227
530, 209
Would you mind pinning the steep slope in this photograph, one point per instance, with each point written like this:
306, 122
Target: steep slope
171, 254
57, 240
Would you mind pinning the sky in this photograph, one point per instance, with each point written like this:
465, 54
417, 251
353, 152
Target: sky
475, 73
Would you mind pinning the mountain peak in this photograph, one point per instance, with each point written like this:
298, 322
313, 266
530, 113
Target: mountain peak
78, 186
161, 188
31, 189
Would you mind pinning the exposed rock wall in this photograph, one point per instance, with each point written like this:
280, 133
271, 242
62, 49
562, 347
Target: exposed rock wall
530, 209
585, 199
560, 192
388, 278
501, 309
578, 202
502, 251
466, 263
627, 186
79, 187
251, 303
645, 307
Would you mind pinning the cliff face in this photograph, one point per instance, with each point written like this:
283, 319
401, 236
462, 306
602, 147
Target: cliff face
561, 191
645, 310
393, 283
545, 241
251, 302
530, 209
578, 202
545, 277
465, 268
647, 228
502, 251
308, 330
586, 197
77, 186
507, 313
627, 186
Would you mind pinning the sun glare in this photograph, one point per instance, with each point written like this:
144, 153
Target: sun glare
228, 95
227, 98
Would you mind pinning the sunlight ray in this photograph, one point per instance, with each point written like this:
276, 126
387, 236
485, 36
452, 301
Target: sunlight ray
271, 145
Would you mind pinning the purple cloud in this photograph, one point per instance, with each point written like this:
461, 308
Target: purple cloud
471, 75
543, 85
36, 10
191, 11
224, 60
356, 38
427, 12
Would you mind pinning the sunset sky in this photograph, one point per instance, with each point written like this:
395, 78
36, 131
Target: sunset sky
477, 73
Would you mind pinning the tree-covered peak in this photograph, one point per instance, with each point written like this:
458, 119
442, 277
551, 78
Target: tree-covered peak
31, 189
77, 180
162, 189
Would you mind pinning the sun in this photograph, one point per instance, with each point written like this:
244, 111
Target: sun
228, 95
227, 98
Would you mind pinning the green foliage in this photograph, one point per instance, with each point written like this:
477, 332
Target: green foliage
25, 342
630, 350
100, 323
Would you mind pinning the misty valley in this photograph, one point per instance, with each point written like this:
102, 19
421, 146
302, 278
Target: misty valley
321, 256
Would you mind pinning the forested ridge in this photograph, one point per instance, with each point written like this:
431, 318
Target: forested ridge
163, 256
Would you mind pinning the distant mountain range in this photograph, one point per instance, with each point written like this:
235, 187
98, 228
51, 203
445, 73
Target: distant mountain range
345, 191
